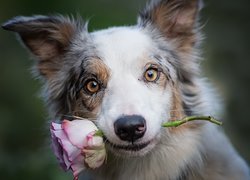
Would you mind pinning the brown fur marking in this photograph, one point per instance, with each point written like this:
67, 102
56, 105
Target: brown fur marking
176, 20
47, 38
177, 112
87, 105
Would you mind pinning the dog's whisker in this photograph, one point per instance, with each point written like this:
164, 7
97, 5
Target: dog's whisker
77, 117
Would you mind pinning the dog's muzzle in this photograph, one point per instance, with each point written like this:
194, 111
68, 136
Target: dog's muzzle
130, 128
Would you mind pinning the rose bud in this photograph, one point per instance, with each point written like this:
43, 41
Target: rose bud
76, 145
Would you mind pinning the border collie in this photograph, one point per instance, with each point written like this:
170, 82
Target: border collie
129, 80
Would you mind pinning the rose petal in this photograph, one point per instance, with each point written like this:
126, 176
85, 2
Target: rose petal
94, 152
64, 150
66, 160
69, 149
78, 166
94, 141
58, 150
55, 126
77, 131
94, 158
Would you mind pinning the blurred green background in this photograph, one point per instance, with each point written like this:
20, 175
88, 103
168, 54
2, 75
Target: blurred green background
24, 144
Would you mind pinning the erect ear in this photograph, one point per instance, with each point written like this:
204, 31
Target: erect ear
47, 37
175, 19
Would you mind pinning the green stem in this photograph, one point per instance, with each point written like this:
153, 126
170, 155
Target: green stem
191, 118
177, 123
99, 133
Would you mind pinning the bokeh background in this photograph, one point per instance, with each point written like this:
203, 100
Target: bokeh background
24, 147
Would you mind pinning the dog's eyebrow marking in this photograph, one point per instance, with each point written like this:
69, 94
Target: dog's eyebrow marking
168, 68
92, 67
80, 103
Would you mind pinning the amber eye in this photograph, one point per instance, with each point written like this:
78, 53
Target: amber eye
151, 75
92, 86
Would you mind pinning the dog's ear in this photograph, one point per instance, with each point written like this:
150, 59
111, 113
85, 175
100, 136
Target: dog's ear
47, 37
175, 19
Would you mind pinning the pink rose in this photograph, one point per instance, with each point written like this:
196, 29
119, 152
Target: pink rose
76, 145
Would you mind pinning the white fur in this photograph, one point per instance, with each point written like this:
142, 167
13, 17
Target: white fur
126, 51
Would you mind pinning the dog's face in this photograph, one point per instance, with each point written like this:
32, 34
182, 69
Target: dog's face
138, 92
128, 80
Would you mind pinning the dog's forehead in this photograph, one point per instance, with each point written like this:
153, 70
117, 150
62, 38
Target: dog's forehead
122, 46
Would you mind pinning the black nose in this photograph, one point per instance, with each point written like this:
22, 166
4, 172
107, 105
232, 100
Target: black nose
130, 128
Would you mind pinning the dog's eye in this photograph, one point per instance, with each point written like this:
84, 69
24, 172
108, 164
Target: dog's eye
92, 86
151, 74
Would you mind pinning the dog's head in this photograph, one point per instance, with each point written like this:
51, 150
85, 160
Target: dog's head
127, 79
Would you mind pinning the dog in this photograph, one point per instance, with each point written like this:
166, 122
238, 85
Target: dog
129, 80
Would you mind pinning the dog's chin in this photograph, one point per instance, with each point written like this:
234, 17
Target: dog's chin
131, 150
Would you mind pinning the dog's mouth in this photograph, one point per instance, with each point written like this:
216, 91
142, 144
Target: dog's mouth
130, 147
135, 149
